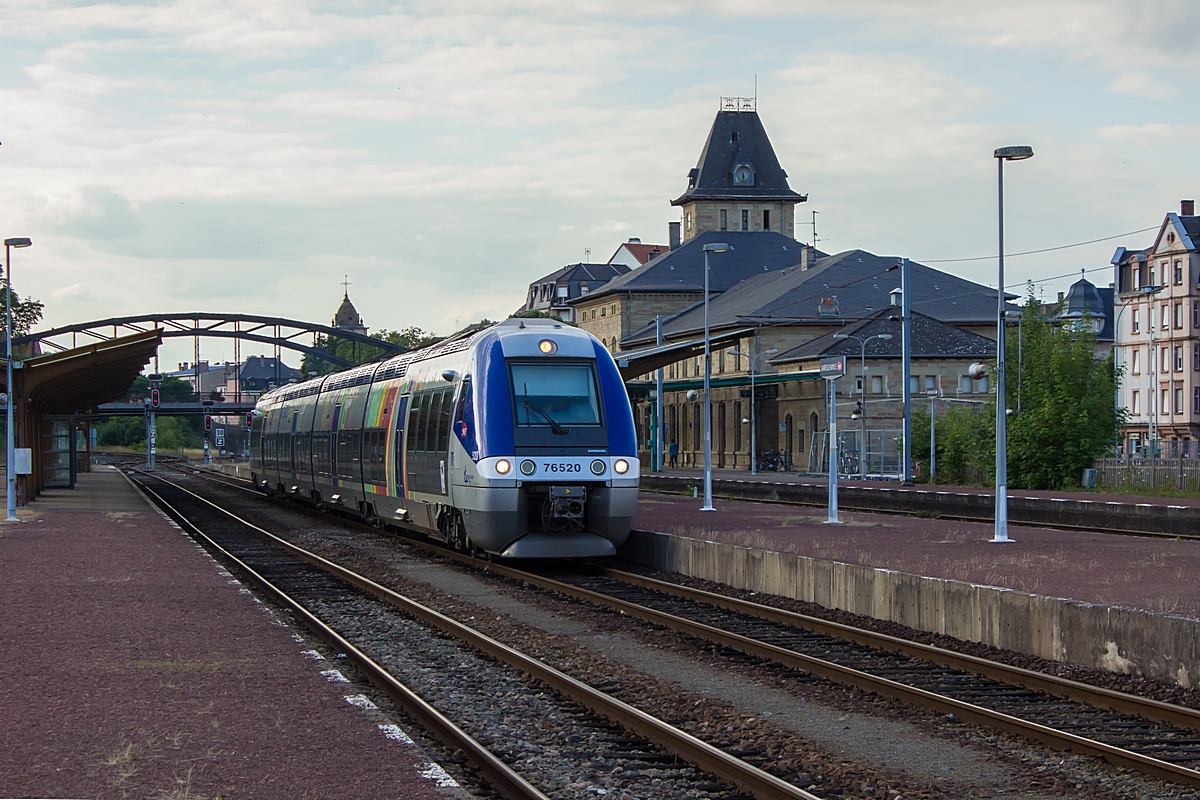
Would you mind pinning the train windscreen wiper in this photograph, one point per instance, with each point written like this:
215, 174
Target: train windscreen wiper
555, 427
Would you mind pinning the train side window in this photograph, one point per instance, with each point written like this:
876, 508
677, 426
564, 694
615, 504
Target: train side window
414, 417
429, 404
444, 418
417, 433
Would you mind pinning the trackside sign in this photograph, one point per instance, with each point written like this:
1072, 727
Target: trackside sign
833, 368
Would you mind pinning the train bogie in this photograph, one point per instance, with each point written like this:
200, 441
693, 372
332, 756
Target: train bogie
517, 441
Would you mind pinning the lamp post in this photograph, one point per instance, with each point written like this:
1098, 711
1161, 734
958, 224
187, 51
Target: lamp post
1002, 154
753, 403
862, 439
10, 475
717, 247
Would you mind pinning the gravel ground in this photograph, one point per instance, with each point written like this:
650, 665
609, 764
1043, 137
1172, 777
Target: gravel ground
1026, 770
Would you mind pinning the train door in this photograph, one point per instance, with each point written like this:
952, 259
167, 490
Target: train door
398, 449
292, 443
333, 444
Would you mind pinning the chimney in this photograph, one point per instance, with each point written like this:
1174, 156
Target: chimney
1060, 297
634, 240
673, 234
1187, 208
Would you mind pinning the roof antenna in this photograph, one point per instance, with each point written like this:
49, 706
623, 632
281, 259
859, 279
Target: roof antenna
756, 91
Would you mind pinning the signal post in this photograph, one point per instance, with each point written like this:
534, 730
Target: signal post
151, 428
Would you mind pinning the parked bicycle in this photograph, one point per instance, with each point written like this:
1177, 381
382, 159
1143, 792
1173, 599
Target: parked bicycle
771, 461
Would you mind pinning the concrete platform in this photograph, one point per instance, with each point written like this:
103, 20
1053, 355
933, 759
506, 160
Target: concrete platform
137, 667
1127, 604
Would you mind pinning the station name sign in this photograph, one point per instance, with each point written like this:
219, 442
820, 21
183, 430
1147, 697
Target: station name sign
833, 368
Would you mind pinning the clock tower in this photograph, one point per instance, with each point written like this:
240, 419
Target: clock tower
738, 184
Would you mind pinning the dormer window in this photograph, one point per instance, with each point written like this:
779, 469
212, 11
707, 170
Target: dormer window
743, 174
733, 137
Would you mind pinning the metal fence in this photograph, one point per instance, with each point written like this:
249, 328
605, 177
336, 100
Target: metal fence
1181, 473
879, 453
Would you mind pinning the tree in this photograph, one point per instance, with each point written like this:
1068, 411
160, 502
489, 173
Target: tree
170, 390
1067, 419
25, 313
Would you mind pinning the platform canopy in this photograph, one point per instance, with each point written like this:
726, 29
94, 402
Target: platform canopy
84, 377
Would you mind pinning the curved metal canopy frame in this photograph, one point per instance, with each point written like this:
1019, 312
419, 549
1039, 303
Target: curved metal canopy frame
277, 331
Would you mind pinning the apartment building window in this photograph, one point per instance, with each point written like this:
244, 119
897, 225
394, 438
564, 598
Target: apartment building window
964, 384
766, 220
604, 309
1165, 361
584, 289
858, 385
1178, 315
981, 386
1179, 400
721, 361
687, 224
1165, 265
724, 220
1196, 357
1196, 400
1136, 322
1166, 401
914, 384
1179, 358
930, 383
1151, 276
745, 219
1136, 404
876, 384
1196, 314
737, 361
1178, 272
1166, 317
1135, 365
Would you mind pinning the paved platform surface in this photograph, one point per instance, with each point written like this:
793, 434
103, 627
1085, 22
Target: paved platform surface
136, 668
1156, 575
821, 480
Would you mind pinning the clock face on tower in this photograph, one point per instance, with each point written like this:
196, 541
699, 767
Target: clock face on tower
743, 175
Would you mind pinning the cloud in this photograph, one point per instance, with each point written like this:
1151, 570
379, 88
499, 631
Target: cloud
1140, 84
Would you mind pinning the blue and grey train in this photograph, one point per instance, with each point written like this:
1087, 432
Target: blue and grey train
515, 441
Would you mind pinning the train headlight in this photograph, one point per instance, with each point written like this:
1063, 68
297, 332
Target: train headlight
548, 347
597, 467
503, 466
527, 467
621, 466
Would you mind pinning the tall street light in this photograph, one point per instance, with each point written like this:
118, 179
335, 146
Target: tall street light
717, 247
753, 402
10, 473
1002, 154
862, 439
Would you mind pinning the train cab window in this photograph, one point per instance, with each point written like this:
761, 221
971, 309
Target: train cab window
555, 394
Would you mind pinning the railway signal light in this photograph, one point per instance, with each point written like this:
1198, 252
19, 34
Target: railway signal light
207, 423
154, 398
249, 420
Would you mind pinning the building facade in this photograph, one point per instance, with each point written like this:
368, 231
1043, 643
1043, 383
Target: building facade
1157, 334
553, 293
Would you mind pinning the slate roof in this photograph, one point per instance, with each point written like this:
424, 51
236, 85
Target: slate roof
734, 135
930, 339
682, 269
1083, 299
584, 272
262, 368
860, 281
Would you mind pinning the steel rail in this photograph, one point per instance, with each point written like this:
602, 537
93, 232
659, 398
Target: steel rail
500, 775
757, 782
1059, 687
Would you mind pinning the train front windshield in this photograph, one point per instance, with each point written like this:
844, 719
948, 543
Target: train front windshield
555, 394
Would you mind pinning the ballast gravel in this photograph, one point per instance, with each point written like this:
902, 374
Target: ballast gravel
1032, 771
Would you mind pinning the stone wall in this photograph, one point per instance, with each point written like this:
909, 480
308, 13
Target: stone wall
1120, 640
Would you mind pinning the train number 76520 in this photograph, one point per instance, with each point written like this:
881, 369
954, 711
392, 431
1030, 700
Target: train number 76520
557, 466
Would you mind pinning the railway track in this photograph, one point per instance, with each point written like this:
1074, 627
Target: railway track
1159, 739
631, 743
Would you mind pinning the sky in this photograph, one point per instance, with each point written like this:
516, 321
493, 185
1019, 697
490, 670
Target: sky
196, 155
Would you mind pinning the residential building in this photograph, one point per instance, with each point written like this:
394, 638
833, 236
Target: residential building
1087, 305
1157, 333
554, 292
634, 254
